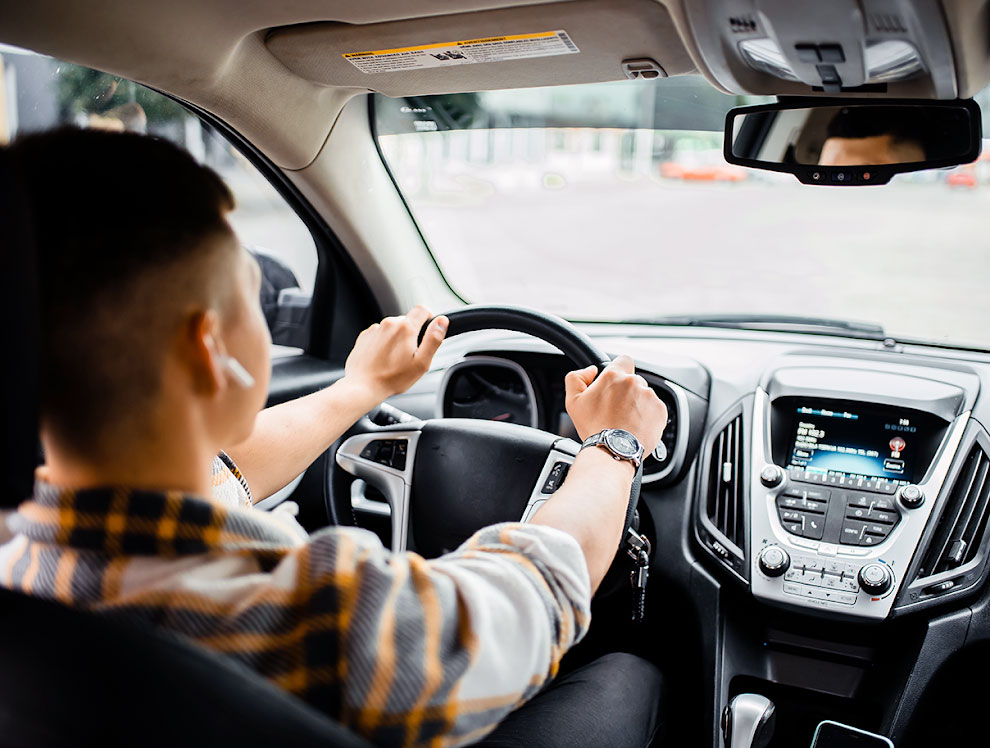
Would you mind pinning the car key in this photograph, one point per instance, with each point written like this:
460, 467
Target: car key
638, 548
639, 577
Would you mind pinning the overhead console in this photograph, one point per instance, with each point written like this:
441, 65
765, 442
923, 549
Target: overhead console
850, 492
896, 48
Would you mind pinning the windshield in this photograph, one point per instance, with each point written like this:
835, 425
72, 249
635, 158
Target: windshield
613, 202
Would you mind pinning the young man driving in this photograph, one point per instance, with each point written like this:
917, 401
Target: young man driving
155, 359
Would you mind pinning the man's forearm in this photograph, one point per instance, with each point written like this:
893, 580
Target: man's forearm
287, 438
591, 506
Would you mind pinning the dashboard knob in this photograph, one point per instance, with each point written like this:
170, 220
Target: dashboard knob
875, 579
771, 476
774, 561
912, 496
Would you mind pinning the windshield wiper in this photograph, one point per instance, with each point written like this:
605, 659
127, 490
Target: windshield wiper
774, 322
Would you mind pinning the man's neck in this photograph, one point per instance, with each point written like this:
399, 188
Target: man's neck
163, 459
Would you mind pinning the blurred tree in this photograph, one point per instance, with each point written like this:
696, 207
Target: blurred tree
459, 111
85, 91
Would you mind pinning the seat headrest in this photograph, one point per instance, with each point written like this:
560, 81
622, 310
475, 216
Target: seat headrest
19, 309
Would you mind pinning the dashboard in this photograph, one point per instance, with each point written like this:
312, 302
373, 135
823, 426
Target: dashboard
843, 479
822, 500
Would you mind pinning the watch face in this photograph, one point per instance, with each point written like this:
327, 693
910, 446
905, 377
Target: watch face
623, 443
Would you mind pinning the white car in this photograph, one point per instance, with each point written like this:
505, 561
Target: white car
818, 514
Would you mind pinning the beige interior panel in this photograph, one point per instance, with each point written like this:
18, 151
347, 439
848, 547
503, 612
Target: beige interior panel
349, 186
969, 25
210, 52
606, 32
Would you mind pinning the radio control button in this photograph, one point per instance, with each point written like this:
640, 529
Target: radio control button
875, 528
852, 532
881, 503
772, 476
874, 515
888, 518
814, 527
808, 492
793, 527
912, 497
870, 540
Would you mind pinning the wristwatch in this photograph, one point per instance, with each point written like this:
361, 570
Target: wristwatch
619, 443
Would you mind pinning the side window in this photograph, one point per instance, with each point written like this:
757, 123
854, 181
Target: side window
39, 93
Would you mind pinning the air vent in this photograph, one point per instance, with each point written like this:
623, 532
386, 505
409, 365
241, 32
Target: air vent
963, 524
725, 483
742, 24
886, 23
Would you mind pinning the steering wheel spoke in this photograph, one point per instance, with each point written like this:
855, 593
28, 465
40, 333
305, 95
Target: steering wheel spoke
384, 459
554, 471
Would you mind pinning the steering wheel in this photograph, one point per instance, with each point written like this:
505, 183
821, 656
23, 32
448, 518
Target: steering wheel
445, 478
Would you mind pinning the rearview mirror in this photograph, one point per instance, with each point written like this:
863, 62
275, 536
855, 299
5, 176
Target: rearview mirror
850, 141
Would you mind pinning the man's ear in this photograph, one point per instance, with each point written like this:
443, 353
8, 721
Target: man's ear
203, 353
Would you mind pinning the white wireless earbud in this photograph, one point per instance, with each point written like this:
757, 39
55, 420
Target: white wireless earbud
241, 375
234, 367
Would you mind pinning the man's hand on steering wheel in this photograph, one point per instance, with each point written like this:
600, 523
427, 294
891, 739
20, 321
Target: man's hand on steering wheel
433, 489
386, 359
619, 398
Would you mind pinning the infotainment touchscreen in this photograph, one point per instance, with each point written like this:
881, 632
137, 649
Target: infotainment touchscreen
872, 443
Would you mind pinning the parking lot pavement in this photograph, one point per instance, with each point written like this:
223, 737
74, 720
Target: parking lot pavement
914, 257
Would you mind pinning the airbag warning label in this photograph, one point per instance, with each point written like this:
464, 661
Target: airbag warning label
492, 49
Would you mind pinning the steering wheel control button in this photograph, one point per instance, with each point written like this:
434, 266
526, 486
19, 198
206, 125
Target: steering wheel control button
912, 496
557, 474
399, 455
772, 476
774, 561
388, 452
875, 579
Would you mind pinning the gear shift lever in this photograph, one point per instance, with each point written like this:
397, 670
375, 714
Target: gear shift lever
748, 721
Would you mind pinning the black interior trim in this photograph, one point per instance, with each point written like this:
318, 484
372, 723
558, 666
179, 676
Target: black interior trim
21, 342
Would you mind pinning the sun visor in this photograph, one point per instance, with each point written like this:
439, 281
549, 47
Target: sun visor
582, 41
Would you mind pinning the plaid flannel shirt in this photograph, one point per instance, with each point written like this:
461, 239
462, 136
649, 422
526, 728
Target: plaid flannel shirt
403, 650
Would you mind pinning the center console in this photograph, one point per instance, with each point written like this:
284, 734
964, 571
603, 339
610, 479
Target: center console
846, 468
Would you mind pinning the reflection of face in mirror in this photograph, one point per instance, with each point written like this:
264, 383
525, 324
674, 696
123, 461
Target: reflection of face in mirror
856, 135
870, 151
873, 136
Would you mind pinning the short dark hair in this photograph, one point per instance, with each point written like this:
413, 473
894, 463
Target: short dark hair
904, 124
108, 211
